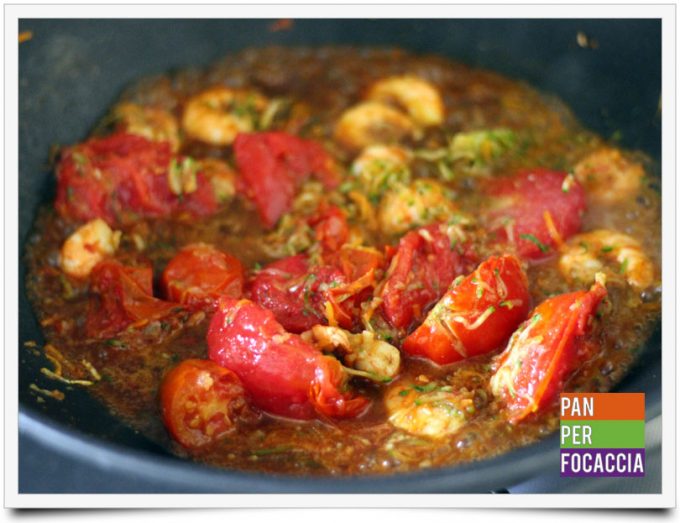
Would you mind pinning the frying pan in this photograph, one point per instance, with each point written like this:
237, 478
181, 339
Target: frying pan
71, 71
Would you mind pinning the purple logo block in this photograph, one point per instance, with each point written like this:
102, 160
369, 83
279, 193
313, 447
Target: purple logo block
602, 463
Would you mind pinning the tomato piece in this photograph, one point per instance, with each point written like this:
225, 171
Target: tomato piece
121, 177
201, 202
330, 228
419, 274
363, 268
282, 373
199, 274
356, 262
476, 315
108, 177
121, 295
201, 402
545, 352
272, 165
299, 293
295, 292
535, 210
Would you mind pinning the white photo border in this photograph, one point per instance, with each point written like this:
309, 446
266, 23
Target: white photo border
10, 227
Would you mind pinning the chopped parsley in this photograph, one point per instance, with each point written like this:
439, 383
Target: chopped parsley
426, 388
346, 187
530, 237
113, 342
79, 158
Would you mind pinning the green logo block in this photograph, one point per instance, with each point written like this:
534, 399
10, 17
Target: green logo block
603, 434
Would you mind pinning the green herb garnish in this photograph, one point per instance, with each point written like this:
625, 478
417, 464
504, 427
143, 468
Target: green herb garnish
530, 237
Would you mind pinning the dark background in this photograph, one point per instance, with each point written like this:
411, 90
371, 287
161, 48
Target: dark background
71, 71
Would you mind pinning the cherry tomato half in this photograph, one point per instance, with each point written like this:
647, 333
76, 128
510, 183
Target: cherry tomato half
362, 268
272, 165
330, 228
300, 294
199, 274
476, 315
121, 177
201, 402
420, 272
119, 296
282, 374
295, 292
535, 210
545, 352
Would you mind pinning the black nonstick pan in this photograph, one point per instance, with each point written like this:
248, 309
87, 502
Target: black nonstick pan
70, 72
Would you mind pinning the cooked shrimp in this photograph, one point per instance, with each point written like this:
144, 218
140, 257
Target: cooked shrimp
370, 123
86, 247
150, 122
364, 351
585, 254
379, 167
608, 177
419, 98
217, 115
429, 409
419, 203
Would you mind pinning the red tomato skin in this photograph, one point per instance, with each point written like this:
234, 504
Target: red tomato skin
80, 197
330, 228
108, 177
272, 165
121, 177
545, 351
419, 274
362, 268
200, 274
119, 296
291, 289
203, 391
283, 374
202, 202
504, 287
526, 197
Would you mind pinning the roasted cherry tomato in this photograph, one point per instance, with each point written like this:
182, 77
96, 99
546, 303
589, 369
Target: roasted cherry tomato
199, 274
545, 352
362, 268
272, 165
282, 374
476, 315
302, 295
121, 295
420, 272
201, 402
356, 261
123, 176
535, 210
295, 292
330, 227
